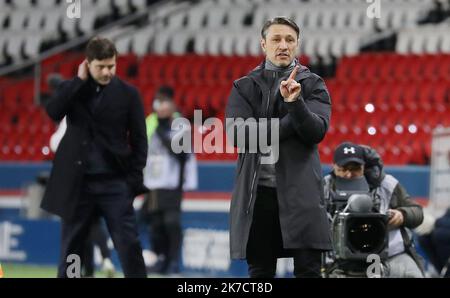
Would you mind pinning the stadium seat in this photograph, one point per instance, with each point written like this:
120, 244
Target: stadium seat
122, 6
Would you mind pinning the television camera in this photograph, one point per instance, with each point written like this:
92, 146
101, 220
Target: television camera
358, 230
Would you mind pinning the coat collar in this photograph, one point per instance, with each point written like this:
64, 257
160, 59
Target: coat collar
107, 92
257, 74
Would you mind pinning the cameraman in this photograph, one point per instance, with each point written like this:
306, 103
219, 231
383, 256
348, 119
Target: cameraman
353, 161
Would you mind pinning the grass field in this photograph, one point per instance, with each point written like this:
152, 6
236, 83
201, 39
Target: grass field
11, 270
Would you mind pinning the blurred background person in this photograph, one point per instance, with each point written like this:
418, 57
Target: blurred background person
434, 239
167, 174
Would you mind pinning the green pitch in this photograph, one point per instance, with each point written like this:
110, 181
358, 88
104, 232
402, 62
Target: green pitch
12, 270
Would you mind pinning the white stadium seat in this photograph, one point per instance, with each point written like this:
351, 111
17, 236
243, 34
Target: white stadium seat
227, 43
254, 44
430, 38
384, 20
352, 43
87, 21
3, 16
3, 41
403, 42
418, 42
69, 26
337, 46
242, 45
161, 42
215, 16
179, 40
310, 42
236, 15
17, 19
117, 32
52, 22
213, 43
141, 41
122, 6
46, 4
327, 19
445, 44
355, 17
23, 4
14, 47
36, 19
196, 17
176, 20
32, 44
200, 44
433, 40
313, 18
123, 44
226, 27
341, 18
299, 16
324, 45
139, 4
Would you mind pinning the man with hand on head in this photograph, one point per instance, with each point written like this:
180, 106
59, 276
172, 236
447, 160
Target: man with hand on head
97, 169
277, 207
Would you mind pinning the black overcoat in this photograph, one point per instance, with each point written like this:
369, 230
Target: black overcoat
303, 125
118, 123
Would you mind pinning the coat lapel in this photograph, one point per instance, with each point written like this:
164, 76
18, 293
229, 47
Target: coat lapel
106, 96
257, 75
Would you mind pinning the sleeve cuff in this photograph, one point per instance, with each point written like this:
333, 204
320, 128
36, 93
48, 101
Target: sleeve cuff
298, 108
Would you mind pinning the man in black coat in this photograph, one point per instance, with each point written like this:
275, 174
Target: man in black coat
97, 170
277, 209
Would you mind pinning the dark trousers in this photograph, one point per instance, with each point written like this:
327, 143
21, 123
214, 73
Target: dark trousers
265, 242
97, 237
111, 199
163, 212
166, 238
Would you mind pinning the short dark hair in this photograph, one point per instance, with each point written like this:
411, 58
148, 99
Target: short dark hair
166, 92
279, 21
100, 48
